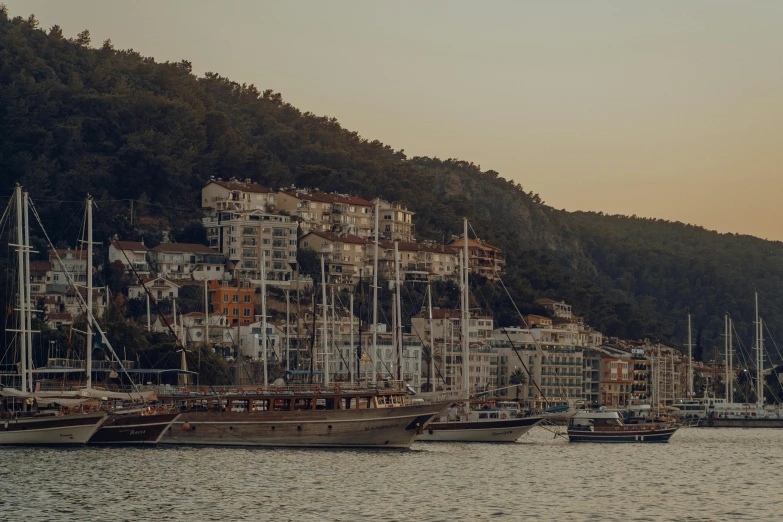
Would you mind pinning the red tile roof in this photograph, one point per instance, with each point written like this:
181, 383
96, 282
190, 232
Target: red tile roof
473, 242
135, 246
40, 266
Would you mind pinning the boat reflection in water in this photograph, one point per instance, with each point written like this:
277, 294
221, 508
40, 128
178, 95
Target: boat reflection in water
299, 416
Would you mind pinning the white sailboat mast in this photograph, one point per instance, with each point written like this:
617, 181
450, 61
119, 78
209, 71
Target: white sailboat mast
690, 360
465, 313
730, 397
432, 339
89, 291
206, 314
375, 296
326, 326
352, 351
22, 287
28, 294
759, 359
398, 308
264, 353
726, 335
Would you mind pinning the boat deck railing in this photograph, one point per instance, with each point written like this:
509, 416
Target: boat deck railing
287, 389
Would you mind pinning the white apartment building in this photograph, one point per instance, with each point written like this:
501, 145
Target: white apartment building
132, 254
70, 262
419, 262
187, 262
395, 221
323, 212
344, 255
159, 287
244, 237
236, 196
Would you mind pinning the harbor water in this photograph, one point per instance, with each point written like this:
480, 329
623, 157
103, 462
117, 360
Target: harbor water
702, 474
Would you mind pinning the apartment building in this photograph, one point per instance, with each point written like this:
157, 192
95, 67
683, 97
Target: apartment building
344, 255
235, 303
395, 221
419, 262
484, 259
132, 254
188, 262
245, 237
324, 212
236, 196
65, 262
159, 287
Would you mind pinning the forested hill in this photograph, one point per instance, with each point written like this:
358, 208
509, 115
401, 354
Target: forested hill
78, 117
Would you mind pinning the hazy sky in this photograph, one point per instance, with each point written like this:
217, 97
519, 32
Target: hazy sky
663, 109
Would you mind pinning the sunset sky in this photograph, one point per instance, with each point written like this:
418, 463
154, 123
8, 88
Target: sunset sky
662, 109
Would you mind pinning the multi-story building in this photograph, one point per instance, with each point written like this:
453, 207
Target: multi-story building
245, 237
235, 303
67, 262
640, 390
616, 380
344, 255
236, 196
419, 262
160, 288
132, 254
385, 359
558, 308
395, 221
186, 262
193, 329
484, 259
40, 276
446, 336
591, 376
322, 212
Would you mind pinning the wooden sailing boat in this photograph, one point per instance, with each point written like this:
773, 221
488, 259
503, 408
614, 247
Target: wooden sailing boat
463, 423
27, 417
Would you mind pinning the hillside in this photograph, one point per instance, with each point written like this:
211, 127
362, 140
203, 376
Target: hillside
77, 119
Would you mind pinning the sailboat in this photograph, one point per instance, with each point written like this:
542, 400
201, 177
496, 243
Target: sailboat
461, 422
28, 417
725, 413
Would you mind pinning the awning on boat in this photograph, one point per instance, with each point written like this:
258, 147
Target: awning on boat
123, 396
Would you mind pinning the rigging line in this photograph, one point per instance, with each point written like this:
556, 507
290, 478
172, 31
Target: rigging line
780, 357
743, 360
88, 313
524, 323
431, 348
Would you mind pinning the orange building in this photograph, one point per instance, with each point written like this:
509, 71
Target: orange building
236, 303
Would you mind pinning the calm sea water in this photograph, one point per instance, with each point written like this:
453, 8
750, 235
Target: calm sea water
720, 474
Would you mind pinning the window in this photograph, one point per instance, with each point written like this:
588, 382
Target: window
247, 298
225, 298
234, 311
235, 298
246, 312
225, 311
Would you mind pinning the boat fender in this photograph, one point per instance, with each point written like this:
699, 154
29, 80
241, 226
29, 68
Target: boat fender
336, 388
260, 391
186, 426
5, 425
203, 391
297, 390
186, 392
316, 389
240, 391
503, 416
617, 428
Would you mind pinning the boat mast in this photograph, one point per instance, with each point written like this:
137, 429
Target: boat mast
22, 287
432, 339
726, 335
397, 304
690, 360
375, 296
326, 334
287, 330
89, 291
28, 294
263, 320
730, 397
465, 313
352, 350
759, 359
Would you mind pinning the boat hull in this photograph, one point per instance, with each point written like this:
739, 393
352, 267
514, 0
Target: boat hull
395, 427
58, 430
480, 431
632, 435
133, 429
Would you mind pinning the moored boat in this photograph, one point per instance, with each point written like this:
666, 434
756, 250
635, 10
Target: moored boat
607, 426
22, 423
136, 427
300, 417
498, 423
